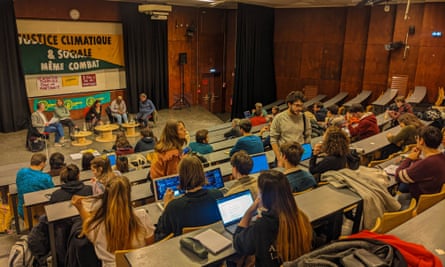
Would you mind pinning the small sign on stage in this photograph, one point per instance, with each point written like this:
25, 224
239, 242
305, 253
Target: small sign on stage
48, 83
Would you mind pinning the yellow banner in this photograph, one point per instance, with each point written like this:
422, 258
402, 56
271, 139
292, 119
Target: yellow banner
70, 81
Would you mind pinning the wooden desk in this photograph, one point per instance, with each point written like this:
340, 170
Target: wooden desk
130, 129
225, 144
225, 125
374, 142
137, 176
81, 138
106, 132
425, 229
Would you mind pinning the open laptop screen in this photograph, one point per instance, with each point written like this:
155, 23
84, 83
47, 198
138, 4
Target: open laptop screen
259, 163
214, 179
232, 208
162, 184
112, 158
307, 152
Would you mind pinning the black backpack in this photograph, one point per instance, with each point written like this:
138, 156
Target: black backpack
35, 144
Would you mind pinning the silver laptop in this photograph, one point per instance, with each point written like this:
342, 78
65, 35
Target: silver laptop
161, 185
232, 208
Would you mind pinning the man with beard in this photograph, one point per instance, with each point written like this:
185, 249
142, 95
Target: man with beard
291, 125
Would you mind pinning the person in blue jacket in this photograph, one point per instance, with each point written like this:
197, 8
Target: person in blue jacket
201, 145
252, 144
146, 110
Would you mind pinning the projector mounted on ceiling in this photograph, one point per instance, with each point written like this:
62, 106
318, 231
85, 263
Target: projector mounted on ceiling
157, 12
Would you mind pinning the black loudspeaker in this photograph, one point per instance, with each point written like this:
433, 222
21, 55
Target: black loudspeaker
411, 30
182, 58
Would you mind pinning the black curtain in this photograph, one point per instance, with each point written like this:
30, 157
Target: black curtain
255, 73
14, 109
146, 57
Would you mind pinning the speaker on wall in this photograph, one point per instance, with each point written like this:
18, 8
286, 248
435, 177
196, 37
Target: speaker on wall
182, 58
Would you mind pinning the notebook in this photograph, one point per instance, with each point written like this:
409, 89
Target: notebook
232, 208
307, 152
259, 163
213, 241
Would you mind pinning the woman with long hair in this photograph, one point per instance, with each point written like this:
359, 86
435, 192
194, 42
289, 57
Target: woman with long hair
114, 225
195, 208
168, 151
101, 169
94, 114
331, 154
121, 145
282, 232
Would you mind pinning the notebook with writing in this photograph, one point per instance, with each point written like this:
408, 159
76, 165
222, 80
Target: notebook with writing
259, 163
307, 152
232, 208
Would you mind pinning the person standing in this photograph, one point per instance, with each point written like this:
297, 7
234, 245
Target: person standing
42, 125
146, 110
119, 110
291, 125
32, 179
63, 114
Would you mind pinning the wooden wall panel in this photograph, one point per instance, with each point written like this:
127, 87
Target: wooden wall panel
230, 59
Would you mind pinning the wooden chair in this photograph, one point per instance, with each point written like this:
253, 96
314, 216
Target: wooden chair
440, 97
428, 200
186, 230
302, 192
390, 220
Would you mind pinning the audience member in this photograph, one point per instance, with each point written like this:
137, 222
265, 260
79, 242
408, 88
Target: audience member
102, 172
242, 164
299, 180
367, 125
333, 118
259, 115
42, 125
195, 208
94, 114
282, 233
168, 151
121, 145
423, 170
69, 175
32, 179
119, 110
201, 145
146, 110
63, 114
147, 142
87, 157
290, 125
105, 227
56, 163
409, 125
332, 154
402, 107
122, 165
234, 131
252, 144
319, 111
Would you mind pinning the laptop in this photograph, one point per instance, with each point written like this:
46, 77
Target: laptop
307, 151
214, 179
259, 163
161, 185
247, 114
232, 208
112, 158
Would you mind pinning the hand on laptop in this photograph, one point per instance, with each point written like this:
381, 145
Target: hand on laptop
168, 196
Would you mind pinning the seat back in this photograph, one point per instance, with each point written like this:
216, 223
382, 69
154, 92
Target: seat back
390, 220
186, 230
121, 261
400, 82
428, 200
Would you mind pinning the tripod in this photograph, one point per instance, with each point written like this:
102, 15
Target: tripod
182, 101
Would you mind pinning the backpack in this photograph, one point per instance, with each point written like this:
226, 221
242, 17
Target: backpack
35, 144
20, 255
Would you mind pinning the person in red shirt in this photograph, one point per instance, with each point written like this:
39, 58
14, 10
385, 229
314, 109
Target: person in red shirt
367, 125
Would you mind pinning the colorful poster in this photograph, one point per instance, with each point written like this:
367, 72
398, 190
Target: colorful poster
88, 80
76, 102
70, 81
48, 83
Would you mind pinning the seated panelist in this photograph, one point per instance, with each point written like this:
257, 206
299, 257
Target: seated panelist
41, 123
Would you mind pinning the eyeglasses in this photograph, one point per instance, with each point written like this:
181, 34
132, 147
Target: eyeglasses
297, 105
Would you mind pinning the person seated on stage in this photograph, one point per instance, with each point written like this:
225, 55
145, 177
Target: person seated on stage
87, 157
42, 125
319, 111
252, 144
32, 179
367, 125
94, 114
242, 164
333, 118
201, 145
102, 172
63, 114
147, 142
115, 225
409, 125
56, 163
299, 180
332, 154
282, 232
168, 151
402, 107
423, 169
119, 110
122, 145
234, 131
69, 175
196, 207
146, 110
